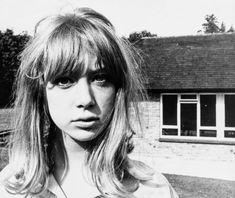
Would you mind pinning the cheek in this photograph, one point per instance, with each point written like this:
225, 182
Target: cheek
56, 98
56, 105
106, 100
52, 104
52, 101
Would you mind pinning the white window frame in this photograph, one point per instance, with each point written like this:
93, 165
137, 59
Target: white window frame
220, 118
223, 126
199, 120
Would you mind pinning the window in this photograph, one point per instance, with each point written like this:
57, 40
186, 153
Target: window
229, 134
169, 115
208, 115
188, 96
229, 116
170, 110
230, 110
188, 119
207, 104
198, 116
169, 131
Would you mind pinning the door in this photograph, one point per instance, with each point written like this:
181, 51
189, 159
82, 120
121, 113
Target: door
188, 119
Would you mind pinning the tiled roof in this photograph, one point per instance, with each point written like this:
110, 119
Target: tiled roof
190, 62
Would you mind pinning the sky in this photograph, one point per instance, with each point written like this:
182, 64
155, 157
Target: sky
162, 17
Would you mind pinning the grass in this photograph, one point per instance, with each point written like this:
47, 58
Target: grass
4, 119
3, 158
198, 187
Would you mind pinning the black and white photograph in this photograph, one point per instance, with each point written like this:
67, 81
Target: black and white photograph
117, 99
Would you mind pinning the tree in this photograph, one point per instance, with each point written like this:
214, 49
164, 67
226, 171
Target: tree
211, 25
231, 29
136, 36
10, 47
222, 27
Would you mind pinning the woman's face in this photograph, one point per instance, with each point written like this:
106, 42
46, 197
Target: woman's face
80, 106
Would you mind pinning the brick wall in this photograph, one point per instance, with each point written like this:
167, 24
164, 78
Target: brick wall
150, 119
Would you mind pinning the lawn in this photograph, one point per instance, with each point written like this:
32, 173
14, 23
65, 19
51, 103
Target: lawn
197, 187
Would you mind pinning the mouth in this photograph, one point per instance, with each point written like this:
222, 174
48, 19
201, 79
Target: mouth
86, 123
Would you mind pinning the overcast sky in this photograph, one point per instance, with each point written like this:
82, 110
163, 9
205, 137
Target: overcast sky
162, 17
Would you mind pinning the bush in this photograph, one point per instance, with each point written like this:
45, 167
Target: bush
10, 47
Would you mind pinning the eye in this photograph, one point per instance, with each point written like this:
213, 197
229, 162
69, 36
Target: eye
64, 82
101, 79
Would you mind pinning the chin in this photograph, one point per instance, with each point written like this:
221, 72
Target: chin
82, 135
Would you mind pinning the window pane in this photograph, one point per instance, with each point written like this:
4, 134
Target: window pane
208, 103
229, 134
189, 96
188, 119
169, 109
208, 133
169, 131
230, 110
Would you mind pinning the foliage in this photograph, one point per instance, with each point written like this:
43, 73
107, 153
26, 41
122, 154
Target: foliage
136, 36
222, 27
212, 25
231, 29
10, 47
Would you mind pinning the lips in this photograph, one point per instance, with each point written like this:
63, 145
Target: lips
86, 123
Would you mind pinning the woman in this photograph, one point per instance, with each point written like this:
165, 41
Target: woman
72, 128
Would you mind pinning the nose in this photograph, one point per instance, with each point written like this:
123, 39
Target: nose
84, 95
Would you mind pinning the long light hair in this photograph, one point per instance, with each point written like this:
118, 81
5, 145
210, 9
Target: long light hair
58, 47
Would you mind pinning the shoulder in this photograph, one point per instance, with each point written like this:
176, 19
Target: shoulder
5, 174
158, 186
150, 183
5, 194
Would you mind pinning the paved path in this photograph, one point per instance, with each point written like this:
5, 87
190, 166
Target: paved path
198, 168
202, 160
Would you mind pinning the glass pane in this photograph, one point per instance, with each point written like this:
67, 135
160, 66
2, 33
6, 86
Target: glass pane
208, 133
229, 134
230, 110
189, 96
169, 109
169, 131
207, 105
188, 119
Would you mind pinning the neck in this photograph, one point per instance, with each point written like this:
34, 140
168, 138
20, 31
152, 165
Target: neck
71, 168
70, 156
74, 147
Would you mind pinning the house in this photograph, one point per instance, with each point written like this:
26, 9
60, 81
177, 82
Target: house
191, 83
